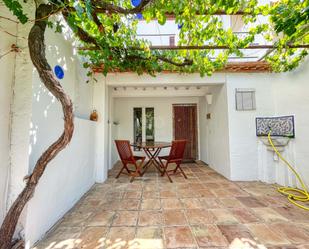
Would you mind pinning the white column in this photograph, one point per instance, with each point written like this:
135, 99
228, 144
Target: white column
101, 138
7, 64
21, 107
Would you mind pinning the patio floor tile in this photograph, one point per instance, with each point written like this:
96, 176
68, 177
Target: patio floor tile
293, 213
205, 211
192, 203
268, 214
244, 215
174, 217
294, 233
101, 218
223, 216
251, 202
92, 237
238, 231
231, 203
132, 195
125, 218
60, 237
150, 218
132, 204
150, 194
178, 237
209, 235
150, 204
120, 237
149, 237
266, 235
168, 194
171, 203
76, 219
199, 216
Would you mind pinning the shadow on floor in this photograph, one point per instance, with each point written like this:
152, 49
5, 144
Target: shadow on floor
204, 211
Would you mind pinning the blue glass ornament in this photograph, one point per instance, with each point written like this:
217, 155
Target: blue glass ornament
59, 72
139, 16
135, 3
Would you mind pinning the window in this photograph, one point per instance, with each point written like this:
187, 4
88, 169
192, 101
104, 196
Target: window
245, 99
149, 111
138, 124
237, 23
143, 131
172, 41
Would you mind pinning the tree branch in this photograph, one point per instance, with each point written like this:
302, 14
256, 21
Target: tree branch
36, 45
96, 20
186, 62
207, 47
8, 19
82, 35
162, 58
104, 7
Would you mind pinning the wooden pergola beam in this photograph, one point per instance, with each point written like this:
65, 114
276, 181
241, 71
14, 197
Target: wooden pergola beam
247, 67
171, 16
204, 47
231, 67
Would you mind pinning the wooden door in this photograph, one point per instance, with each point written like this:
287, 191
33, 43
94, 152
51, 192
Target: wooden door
185, 127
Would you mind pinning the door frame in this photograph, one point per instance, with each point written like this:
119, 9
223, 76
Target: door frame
196, 125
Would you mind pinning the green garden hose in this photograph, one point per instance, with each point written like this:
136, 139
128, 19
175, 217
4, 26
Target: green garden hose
294, 195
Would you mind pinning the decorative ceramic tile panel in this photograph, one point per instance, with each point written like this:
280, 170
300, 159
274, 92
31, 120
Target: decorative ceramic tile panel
280, 126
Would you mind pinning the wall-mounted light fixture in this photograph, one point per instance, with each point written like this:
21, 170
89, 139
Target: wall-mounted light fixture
208, 97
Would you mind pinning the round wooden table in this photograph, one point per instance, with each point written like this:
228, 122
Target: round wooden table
152, 151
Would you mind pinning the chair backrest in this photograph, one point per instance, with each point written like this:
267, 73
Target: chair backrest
177, 150
124, 150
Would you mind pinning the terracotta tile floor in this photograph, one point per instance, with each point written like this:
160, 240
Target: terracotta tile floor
204, 211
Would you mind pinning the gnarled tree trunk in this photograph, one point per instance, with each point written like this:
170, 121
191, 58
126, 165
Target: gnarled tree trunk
37, 52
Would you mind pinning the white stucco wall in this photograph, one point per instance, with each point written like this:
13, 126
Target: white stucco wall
276, 95
7, 64
203, 147
72, 172
100, 103
243, 140
163, 79
227, 141
19, 109
163, 108
291, 96
83, 100
66, 179
217, 136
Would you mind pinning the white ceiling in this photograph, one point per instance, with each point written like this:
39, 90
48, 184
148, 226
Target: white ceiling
159, 91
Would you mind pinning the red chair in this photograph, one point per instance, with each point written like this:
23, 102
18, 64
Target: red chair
127, 157
175, 156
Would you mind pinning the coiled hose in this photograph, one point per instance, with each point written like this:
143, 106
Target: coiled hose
294, 195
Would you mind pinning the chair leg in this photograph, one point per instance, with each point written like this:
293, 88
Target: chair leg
123, 167
137, 171
162, 166
139, 167
127, 169
175, 170
169, 177
165, 171
132, 178
184, 175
